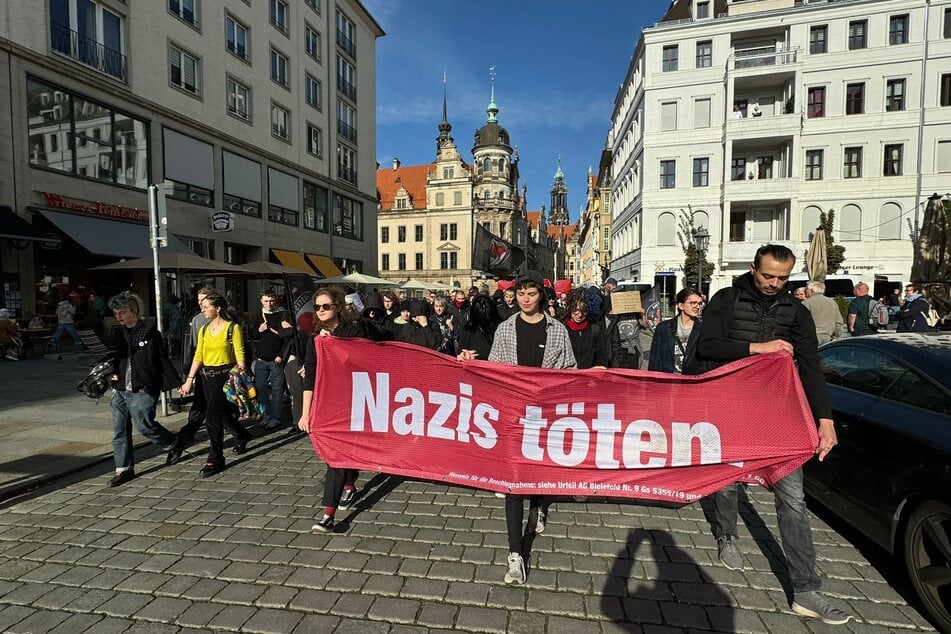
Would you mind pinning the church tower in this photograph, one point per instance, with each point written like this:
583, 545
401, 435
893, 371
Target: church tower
558, 212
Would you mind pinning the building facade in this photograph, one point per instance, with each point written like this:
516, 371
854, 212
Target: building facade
753, 116
262, 110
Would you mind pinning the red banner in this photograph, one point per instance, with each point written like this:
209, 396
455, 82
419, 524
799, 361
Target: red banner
404, 410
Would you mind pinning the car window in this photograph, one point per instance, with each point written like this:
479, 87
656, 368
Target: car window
913, 389
860, 369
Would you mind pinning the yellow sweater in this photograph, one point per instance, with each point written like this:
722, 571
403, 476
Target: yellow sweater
213, 349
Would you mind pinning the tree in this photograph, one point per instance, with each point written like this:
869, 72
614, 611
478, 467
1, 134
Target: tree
691, 255
835, 253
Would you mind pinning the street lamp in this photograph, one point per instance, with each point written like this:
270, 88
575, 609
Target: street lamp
701, 240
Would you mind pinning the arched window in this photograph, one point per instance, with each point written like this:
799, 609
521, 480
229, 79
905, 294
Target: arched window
666, 230
849, 223
487, 165
889, 222
701, 219
809, 222
501, 166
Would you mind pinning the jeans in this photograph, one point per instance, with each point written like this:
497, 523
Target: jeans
269, 376
64, 328
794, 528
138, 408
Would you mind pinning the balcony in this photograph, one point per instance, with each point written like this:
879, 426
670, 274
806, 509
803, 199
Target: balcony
346, 44
346, 88
88, 51
765, 126
763, 59
760, 189
348, 174
346, 130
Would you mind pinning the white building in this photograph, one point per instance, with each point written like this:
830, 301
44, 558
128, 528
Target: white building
754, 115
263, 109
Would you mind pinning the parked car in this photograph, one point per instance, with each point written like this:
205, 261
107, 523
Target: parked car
890, 475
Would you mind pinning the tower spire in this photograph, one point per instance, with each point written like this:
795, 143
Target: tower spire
444, 126
492, 110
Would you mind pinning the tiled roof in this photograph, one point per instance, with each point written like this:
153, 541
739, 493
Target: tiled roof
562, 231
533, 218
410, 177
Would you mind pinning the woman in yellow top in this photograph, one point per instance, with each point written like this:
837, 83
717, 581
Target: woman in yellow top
214, 358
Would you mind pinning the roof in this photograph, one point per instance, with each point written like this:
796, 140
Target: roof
410, 177
562, 231
680, 10
534, 217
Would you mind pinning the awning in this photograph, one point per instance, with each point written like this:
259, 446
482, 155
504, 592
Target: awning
293, 260
325, 265
15, 227
109, 237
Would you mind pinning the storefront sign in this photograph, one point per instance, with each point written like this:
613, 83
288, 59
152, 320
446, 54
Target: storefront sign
222, 221
118, 212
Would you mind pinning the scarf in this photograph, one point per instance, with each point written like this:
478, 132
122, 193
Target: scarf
459, 302
575, 326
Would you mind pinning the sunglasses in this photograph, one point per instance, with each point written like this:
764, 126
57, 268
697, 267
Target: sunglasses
694, 303
325, 307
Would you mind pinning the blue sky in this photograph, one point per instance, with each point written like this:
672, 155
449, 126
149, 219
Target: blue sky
558, 67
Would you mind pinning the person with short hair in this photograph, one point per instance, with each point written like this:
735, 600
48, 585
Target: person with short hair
675, 340
800, 294
825, 312
272, 331
859, 323
507, 307
143, 371
913, 314
8, 336
65, 317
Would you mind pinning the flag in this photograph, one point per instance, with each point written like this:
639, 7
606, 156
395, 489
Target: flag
299, 289
491, 254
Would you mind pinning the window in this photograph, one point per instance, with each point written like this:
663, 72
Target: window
818, 37
813, 165
348, 218
440, 199
315, 143
312, 42
419, 262
347, 163
282, 215
185, 9
817, 102
893, 158
945, 99
894, 95
401, 261
913, 389
448, 172
738, 169
857, 34
853, 163
278, 11
241, 179
346, 35
385, 262
239, 100
456, 198
889, 222
88, 33
670, 58
384, 234
105, 145
898, 29
401, 233
280, 122
701, 172
859, 369
236, 38
701, 113
668, 174
402, 203
184, 70
346, 121
448, 260
279, 68
313, 4
764, 167
346, 78
947, 23
737, 226
312, 91
703, 10
668, 116
849, 223
448, 231
315, 207
704, 54
666, 230
418, 233
855, 98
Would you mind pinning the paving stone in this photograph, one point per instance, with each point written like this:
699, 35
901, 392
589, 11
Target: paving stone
394, 610
563, 625
58, 597
232, 617
163, 609
123, 604
430, 589
77, 624
13, 614
276, 597
39, 621
199, 614
204, 589
462, 593
482, 619
383, 585
526, 623
881, 614
28, 593
314, 601
558, 603
352, 605
642, 610
198, 567
351, 626
317, 623
437, 615
239, 593
310, 578
268, 621
143, 582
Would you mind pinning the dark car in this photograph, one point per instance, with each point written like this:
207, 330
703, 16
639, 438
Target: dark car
890, 475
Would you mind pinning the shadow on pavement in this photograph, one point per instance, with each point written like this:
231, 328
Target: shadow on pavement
372, 492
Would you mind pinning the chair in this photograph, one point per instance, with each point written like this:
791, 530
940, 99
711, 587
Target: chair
92, 343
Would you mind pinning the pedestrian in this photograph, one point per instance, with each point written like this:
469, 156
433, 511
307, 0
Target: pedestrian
589, 342
825, 312
617, 355
442, 320
272, 332
332, 320
391, 304
859, 322
508, 307
459, 307
65, 313
758, 315
143, 371
800, 294
675, 340
220, 348
476, 337
417, 329
913, 314
535, 339
172, 324
9, 338
610, 285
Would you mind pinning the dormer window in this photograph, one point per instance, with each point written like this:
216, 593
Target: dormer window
703, 10
401, 203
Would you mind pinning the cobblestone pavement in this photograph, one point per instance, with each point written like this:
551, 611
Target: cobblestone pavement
170, 552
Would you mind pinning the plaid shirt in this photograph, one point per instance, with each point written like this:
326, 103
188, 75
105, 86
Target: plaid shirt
558, 353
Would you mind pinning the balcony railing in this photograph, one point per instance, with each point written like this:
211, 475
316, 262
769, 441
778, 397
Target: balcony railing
346, 130
348, 174
88, 51
764, 56
345, 87
345, 43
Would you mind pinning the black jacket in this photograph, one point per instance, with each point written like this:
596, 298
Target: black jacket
590, 346
152, 371
418, 335
273, 342
344, 330
617, 354
913, 316
662, 346
739, 316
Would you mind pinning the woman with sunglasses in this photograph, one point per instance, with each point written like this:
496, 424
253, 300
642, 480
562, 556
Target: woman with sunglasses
675, 340
331, 319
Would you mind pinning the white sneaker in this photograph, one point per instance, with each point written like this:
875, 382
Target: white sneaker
516, 571
499, 494
540, 518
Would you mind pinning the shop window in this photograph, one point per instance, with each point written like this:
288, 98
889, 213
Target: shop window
315, 207
348, 218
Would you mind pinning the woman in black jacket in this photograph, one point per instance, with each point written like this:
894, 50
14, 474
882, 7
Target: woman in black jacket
332, 319
588, 338
143, 370
478, 333
675, 340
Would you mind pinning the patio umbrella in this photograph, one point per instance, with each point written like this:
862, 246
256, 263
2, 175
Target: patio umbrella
931, 263
439, 286
816, 263
415, 285
357, 280
264, 269
180, 262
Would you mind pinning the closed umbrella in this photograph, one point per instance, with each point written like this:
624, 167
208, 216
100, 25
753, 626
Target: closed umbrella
931, 263
816, 263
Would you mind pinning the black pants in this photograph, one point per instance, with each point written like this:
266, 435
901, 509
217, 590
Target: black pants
514, 513
334, 482
295, 385
219, 412
196, 417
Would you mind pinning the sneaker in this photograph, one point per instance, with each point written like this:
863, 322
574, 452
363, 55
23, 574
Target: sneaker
174, 456
347, 499
122, 477
499, 494
516, 571
272, 424
538, 526
815, 605
728, 553
325, 525
210, 469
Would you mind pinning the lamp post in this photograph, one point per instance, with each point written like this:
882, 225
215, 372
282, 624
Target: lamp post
701, 239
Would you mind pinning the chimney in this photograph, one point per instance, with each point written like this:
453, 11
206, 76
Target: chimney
396, 164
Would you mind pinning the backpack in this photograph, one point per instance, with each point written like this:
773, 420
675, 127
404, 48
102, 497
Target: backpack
931, 317
877, 314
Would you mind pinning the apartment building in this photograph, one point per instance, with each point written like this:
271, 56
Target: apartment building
259, 114
754, 116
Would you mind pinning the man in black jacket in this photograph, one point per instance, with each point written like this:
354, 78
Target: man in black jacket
756, 316
143, 370
271, 331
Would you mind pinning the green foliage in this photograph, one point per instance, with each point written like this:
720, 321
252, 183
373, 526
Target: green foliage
843, 307
691, 255
835, 253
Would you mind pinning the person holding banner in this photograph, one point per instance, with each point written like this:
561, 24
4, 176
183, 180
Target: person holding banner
675, 340
475, 338
759, 315
332, 319
531, 338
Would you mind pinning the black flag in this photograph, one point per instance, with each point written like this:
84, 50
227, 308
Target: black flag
493, 255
